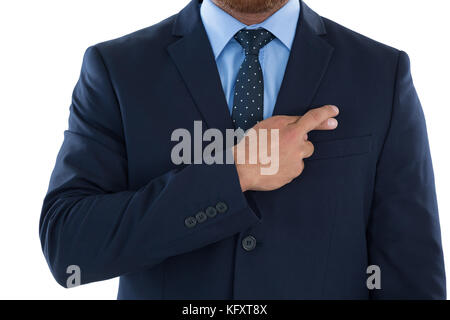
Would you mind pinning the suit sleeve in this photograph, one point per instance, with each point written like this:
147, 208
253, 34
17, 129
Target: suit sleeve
89, 217
404, 234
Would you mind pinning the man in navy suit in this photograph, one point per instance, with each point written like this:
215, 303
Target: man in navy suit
347, 197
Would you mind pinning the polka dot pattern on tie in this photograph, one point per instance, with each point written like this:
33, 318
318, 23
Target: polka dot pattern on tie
248, 102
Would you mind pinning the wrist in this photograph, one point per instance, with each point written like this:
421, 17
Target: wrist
245, 186
243, 177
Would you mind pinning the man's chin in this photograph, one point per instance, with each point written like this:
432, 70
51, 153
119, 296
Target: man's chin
251, 6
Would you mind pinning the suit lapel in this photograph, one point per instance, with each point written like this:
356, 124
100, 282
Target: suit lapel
308, 62
193, 56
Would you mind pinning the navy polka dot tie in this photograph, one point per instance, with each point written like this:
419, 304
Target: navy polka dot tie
248, 102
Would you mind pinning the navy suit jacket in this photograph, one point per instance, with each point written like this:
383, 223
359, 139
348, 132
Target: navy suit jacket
117, 205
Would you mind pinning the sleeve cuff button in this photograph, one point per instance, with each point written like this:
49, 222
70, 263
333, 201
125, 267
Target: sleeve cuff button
221, 207
190, 222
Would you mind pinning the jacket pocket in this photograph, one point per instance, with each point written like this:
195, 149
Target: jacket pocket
341, 148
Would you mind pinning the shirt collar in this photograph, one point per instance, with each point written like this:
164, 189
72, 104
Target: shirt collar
221, 27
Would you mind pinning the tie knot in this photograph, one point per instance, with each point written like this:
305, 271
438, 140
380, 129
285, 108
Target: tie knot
253, 40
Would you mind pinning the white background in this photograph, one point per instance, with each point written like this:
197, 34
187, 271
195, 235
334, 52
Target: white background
41, 48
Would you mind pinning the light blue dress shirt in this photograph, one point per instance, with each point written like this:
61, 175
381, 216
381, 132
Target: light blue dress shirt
229, 54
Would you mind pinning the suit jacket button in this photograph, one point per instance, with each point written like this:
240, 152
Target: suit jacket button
221, 207
201, 217
190, 222
249, 243
211, 212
